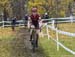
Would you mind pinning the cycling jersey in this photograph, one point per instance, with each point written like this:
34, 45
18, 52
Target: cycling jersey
34, 19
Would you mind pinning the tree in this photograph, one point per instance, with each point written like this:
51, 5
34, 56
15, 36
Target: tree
4, 5
18, 8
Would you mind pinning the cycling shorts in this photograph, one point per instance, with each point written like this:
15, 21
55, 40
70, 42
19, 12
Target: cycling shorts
36, 24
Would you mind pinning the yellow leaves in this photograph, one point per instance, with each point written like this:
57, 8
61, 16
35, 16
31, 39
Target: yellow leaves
3, 2
37, 3
62, 13
43, 4
40, 4
34, 4
41, 10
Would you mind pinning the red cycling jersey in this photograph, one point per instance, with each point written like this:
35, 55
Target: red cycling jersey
34, 17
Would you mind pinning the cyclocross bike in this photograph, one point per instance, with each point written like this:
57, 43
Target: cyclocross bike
34, 41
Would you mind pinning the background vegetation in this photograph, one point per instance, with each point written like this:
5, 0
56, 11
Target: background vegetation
55, 8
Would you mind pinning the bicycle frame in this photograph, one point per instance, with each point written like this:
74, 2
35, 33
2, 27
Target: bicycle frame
34, 40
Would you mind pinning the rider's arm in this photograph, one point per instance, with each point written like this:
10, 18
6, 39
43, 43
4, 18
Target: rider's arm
40, 21
29, 21
39, 17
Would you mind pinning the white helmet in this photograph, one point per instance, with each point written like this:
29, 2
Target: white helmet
46, 13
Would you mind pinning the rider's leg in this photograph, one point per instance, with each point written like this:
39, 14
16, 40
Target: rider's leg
37, 40
13, 27
37, 37
29, 29
28, 25
30, 37
37, 32
30, 34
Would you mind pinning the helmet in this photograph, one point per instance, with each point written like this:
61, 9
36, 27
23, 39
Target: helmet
34, 9
46, 13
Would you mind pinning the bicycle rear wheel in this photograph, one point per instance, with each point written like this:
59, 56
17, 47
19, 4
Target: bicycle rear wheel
33, 45
34, 41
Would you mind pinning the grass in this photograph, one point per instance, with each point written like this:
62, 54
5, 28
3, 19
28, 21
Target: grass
69, 27
50, 50
67, 40
6, 36
49, 46
7, 33
5, 49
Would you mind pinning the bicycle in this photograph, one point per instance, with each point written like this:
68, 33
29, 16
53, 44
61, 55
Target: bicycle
34, 41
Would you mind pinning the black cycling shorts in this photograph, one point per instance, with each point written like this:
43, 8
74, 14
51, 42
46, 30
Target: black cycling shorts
36, 24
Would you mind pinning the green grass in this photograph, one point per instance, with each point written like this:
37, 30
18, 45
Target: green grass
68, 42
50, 50
69, 27
7, 33
5, 47
49, 46
6, 36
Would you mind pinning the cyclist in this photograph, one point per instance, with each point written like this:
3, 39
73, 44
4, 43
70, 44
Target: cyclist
46, 16
35, 19
13, 23
26, 19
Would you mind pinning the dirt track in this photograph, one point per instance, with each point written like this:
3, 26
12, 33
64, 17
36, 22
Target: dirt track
20, 46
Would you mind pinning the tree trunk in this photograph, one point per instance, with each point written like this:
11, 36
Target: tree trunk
18, 8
